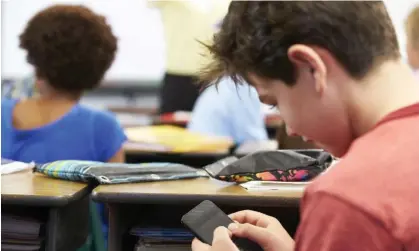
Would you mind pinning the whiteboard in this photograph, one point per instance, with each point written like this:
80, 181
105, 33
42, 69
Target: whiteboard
139, 30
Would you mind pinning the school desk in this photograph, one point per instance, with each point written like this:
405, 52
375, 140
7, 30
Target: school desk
174, 144
62, 205
136, 153
162, 204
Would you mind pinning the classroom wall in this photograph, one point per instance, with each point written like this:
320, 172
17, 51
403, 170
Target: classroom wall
399, 10
140, 32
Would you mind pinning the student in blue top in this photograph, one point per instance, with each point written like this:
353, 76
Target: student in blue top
229, 110
70, 48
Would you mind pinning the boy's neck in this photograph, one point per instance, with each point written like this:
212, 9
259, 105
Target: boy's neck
388, 88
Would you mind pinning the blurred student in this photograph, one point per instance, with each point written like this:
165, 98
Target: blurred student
357, 99
70, 48
412, 32
229, 110
185, 22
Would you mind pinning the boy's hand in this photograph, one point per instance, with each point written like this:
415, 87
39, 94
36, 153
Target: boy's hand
260, 228
221, 242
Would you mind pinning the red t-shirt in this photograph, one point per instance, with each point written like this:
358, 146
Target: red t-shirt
370, 199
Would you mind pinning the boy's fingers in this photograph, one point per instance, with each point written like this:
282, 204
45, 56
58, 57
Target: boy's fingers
222, 240
198, 245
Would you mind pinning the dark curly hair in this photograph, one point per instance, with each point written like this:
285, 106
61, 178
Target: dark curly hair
256, 35
70, 46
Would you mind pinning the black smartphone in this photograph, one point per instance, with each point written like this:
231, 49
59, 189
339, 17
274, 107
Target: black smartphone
205, 218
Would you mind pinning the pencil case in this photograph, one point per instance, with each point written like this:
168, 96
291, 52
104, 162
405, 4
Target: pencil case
116, 173
278, 165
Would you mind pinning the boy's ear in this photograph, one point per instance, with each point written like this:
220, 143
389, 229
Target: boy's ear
305, 58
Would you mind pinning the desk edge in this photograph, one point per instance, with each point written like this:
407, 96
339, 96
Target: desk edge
115, 198
52, 201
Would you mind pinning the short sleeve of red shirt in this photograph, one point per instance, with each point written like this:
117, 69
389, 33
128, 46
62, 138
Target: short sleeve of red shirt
343, 227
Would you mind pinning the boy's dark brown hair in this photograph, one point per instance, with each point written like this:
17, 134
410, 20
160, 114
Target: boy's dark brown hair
412, 27
256, 35
70, 46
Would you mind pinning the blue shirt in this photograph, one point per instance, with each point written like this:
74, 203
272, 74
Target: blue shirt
229, 110
81, 134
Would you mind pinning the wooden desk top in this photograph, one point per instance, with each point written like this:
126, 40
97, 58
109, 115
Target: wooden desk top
138, 148
27, 188
195, 191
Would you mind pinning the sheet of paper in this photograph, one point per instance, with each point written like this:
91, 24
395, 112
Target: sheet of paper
272, 185
8, 167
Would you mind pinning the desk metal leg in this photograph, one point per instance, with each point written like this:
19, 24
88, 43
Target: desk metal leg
52, 229
68, 226
117, 227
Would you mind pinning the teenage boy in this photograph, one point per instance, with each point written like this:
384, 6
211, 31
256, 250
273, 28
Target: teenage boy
333, 68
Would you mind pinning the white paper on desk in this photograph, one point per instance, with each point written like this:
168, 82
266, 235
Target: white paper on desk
271, 185
15, 166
